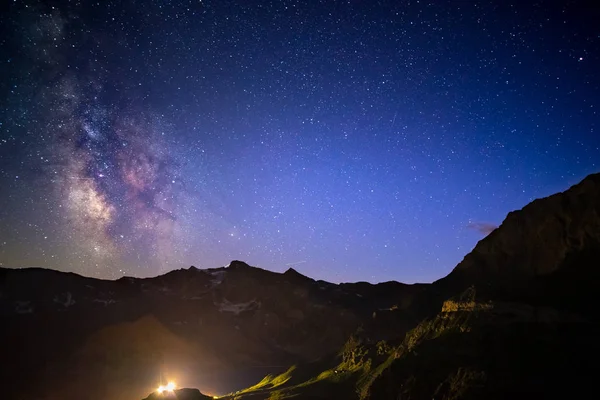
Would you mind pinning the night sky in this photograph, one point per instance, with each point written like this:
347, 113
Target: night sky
352, 140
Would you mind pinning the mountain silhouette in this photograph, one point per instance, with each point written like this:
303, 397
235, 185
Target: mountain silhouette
518, 311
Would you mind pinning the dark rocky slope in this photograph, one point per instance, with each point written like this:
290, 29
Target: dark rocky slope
517, 318
548, 253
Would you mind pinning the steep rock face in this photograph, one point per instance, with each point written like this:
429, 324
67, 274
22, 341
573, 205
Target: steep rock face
552, 242
218, 329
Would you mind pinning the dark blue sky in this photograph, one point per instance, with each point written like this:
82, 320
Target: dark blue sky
353, 140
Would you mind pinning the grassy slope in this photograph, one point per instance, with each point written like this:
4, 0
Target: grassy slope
468, 350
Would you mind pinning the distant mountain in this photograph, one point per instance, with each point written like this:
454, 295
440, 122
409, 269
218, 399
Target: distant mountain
517, 316
218, 329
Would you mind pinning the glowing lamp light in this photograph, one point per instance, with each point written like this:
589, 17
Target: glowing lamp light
169, 387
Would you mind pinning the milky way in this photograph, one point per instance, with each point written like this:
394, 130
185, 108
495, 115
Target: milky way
352, 140
120, 186
113, 165
119, 178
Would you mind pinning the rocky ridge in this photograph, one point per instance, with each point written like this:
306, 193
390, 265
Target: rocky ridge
218, 329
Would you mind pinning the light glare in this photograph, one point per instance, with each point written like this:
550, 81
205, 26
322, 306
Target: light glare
169, 387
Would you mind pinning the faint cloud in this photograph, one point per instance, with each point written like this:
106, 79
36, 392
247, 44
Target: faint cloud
485, 228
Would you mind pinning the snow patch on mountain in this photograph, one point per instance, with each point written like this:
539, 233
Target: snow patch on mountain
237, 308
105, 301
65, 299
217, 278
23, 307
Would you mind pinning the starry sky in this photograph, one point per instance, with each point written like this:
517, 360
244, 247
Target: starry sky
351, 140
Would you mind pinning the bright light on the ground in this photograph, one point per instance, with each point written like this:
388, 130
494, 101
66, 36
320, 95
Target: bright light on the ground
169, 387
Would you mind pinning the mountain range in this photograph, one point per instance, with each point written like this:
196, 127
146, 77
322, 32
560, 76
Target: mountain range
518, 317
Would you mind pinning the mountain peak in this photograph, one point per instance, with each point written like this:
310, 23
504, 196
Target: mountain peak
592, 177
291, 273
236, 264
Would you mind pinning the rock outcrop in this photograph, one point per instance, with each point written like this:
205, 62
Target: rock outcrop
179, 394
